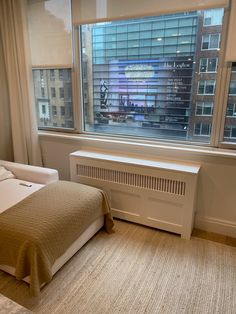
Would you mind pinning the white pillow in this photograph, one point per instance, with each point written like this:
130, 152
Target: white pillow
5, 174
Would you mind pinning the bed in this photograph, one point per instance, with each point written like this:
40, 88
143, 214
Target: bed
46, 222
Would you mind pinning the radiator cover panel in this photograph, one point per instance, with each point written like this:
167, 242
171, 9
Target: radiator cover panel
153, 193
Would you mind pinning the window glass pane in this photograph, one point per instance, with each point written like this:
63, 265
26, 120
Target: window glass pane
212, 64
51, 96
230, 110
207, 109
214, 41
213, 17
232, 88
199, 109
146, 85
205, 42
203, 65
230, 119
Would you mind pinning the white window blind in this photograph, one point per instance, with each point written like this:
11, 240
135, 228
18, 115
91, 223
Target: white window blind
231, 37
92, 11
50, 33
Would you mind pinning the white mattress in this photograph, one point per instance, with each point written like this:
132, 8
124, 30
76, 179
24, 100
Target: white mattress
21, 189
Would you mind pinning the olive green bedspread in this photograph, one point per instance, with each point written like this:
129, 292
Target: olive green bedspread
39, 229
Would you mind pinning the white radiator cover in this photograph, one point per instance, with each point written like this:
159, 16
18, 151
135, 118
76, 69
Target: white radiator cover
154, 193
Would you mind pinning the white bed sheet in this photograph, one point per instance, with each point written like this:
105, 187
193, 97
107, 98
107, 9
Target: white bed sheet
8, 198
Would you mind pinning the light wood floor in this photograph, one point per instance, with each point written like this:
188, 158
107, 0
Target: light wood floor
138, 270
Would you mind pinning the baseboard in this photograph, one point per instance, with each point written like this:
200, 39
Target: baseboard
220, 226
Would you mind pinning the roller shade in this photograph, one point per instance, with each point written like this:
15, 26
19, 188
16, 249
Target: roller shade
91, 11
231, 38
50, 33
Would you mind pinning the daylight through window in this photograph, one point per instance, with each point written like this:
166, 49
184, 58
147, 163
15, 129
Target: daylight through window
153, 77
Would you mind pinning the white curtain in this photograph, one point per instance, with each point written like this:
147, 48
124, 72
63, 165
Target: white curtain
13, 28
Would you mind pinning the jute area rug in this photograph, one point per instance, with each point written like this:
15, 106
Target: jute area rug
137, 270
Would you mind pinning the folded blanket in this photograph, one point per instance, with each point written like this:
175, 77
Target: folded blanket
39, 229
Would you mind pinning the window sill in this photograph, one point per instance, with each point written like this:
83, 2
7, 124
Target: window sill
131, 145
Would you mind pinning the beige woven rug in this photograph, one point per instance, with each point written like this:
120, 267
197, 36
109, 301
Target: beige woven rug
138, 270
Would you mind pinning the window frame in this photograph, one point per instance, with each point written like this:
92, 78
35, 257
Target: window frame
202, 124
202, 108
210, 35
217, 119
207, 64
205, 86
216, 135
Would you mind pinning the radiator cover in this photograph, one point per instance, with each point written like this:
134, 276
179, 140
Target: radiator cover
154, 193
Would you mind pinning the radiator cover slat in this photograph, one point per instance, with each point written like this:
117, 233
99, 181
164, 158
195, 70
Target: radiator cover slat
133, 179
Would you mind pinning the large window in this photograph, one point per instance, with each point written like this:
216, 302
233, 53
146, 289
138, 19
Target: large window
139, 76
157, 77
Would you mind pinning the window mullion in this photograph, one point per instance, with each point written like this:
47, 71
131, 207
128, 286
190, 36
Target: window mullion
221, 90
77, 80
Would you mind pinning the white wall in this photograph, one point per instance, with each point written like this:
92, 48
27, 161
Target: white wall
216, 196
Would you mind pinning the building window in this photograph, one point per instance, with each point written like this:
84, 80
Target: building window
42, 92
213, 17
62, 111
202, 129
208, 65
64, 96
53, 92
231, 110
52, 75
230, 132
206, 87
41, 74
232, 88
54, 110
210, 42
61, 74
61, 91
204, 108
